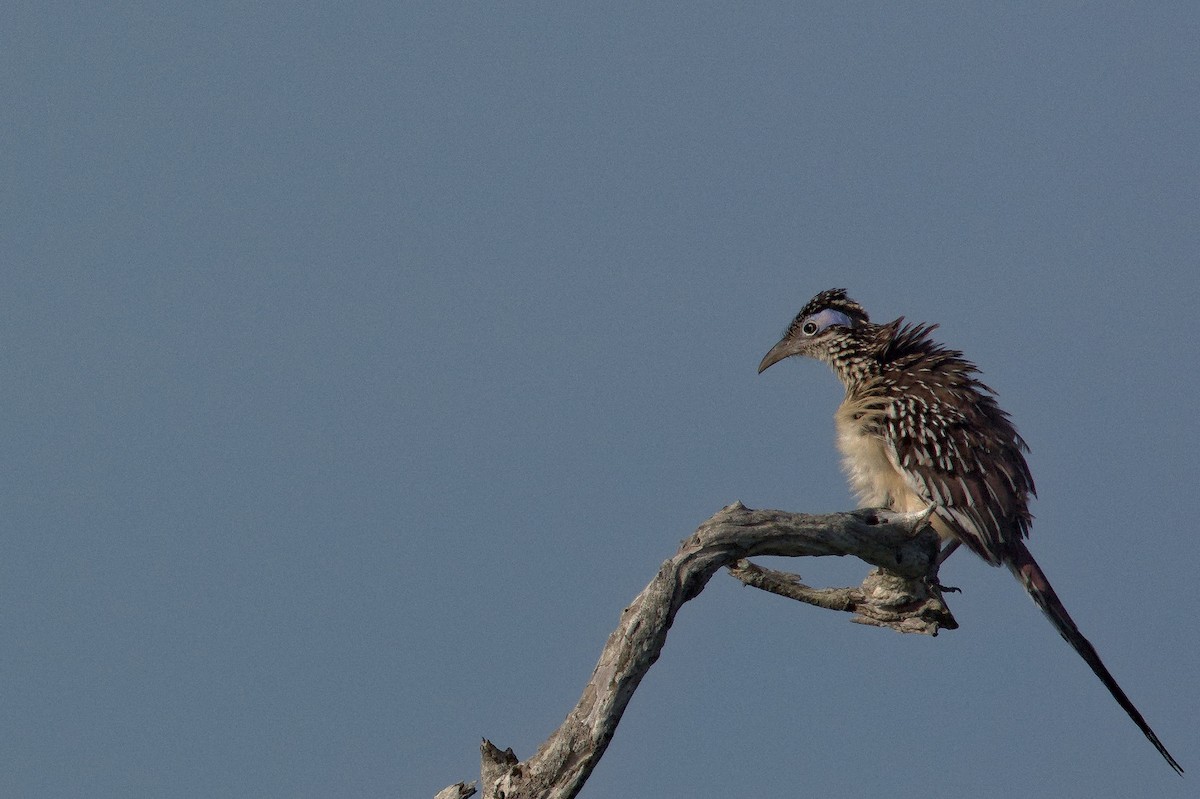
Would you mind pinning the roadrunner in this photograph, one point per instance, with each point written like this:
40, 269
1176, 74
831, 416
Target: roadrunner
917, 429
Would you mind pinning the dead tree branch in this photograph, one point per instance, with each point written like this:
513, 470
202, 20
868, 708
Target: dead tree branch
901, 593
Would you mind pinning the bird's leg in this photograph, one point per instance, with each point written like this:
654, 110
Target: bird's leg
946, 552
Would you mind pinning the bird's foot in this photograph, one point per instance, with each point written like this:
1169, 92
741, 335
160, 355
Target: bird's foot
935, 586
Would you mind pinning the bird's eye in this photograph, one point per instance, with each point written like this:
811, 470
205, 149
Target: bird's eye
823, 320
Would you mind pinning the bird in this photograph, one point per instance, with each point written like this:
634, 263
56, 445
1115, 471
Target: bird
919, 432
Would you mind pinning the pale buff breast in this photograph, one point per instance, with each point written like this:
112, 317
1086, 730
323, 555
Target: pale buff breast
874, 479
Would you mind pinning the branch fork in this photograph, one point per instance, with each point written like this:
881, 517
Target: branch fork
901, 593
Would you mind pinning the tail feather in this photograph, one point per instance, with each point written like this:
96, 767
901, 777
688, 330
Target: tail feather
1026, 569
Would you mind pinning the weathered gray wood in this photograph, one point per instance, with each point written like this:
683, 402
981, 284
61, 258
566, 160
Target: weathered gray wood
459, 790
907, 605
902, 593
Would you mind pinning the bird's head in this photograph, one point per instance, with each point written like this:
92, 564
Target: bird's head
823, 329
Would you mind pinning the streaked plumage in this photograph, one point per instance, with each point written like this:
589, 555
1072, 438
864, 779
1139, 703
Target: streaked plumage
918, 429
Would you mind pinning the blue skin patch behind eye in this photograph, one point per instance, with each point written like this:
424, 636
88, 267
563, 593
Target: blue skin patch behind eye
828, 318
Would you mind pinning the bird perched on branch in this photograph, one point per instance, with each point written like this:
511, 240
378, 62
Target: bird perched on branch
918, 430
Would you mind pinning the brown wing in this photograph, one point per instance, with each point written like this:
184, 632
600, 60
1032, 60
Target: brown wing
959, 451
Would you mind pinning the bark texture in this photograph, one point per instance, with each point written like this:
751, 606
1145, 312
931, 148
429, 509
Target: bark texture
901, 593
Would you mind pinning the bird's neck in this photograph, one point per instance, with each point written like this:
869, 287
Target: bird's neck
854, 364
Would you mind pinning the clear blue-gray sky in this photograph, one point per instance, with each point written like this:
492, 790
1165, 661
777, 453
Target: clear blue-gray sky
361, 362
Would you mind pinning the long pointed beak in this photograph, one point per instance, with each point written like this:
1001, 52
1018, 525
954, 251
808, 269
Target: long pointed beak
784, 349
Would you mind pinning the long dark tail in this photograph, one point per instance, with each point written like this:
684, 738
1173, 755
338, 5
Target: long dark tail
1026, 569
